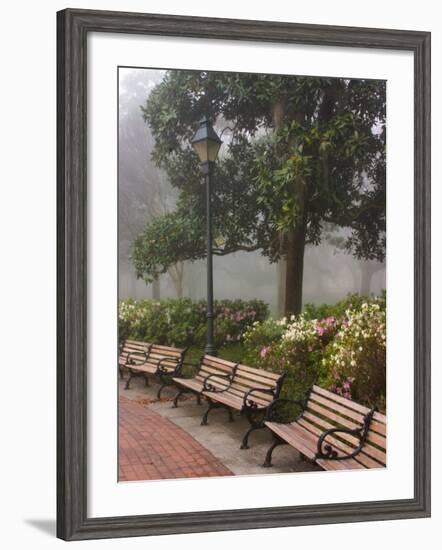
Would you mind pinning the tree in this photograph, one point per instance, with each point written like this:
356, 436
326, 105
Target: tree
301, 152
145, 192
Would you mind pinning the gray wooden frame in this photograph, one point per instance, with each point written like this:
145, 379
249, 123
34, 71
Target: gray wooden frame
73, 27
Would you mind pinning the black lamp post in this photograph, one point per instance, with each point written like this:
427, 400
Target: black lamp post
206, 144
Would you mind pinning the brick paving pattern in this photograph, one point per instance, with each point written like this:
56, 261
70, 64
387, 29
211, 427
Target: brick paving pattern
152, 447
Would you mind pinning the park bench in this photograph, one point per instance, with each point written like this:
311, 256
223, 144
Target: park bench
332, 431
247, 390
143, 360
208, 366
130, 348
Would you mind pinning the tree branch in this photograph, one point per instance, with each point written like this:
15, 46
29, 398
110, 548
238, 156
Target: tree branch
225, 251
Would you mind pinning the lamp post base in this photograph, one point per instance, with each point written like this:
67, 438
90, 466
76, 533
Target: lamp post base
210, 350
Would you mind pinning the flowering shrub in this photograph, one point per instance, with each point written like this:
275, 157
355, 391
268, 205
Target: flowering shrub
354, 363
344, 353
292, 346
182, 322
233, 318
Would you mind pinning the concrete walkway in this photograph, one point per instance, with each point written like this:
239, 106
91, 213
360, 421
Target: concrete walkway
220, 437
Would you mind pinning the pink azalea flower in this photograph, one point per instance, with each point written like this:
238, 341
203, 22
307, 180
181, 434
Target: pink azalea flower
264, 352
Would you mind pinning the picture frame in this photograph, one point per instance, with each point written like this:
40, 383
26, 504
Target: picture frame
73, 27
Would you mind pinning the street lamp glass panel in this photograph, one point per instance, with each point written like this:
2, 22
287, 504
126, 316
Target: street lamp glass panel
206, 142
207, 150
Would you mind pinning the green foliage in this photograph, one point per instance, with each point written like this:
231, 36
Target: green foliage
165, 241
182, 322
351, 301
340, 347
299, 150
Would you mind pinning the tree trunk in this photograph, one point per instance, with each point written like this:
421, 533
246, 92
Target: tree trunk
156, 289
295, 237
368, 269
176, 273
281, 270
295, 270
179, 288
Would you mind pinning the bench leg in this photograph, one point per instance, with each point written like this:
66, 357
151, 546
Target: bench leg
127, 386
276, 442
256, 421
133, 374
165, 380
177, 396
206, 414
161, 388
181, 392
120, 370
213, 405
245, 440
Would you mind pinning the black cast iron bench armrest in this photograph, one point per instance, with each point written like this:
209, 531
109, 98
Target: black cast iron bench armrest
272, 411
207, 386
250, 403
138, 353
325, 450
162, 369
195, 366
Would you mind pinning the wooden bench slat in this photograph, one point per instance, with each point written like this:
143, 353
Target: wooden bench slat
136, 343
125, 360
259, 399
190, 383
349, 403
252, 381
165, 355
260, 372
221, 369
340, 465
225, 398
140, 351
257, 390
128, 351
148, 369
376, 439
378, 427
350, 413
331, 415
215, 361
303, 442
342, 400
161, 348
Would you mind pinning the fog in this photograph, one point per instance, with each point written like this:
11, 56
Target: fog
144, 192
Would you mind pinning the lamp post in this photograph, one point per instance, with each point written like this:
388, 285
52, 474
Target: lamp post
206, 144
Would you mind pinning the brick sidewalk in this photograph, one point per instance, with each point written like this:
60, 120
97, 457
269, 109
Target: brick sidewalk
152, 447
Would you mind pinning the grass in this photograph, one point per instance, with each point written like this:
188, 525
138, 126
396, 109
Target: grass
230, 352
